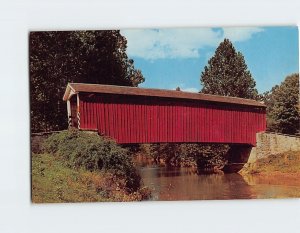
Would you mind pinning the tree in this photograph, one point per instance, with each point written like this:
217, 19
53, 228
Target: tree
57, 58
227, 74
283, 106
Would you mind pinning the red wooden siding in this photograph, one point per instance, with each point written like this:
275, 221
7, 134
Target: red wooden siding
139, 119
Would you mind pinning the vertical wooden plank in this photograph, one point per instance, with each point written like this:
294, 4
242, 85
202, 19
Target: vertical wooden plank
183, 119
132, 123
141, 130
88, 119
94, 116
145, 122
127, 130
102, 118
197, 123
109, 120
180, 120
159, 123
87, 114
173, 121
97, 115
163, 123
214, 133
155, 130
238, 125
177, 131
107, 126
150, 120
191, 134
117, 121
232, 127
123, 120
137, 122
168, 123
143, 126
194, 124
200, 119
112, 120
207, 125
91, 115
83, 114
130, 136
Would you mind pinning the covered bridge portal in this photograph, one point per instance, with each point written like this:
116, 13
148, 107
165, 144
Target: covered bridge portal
140, 115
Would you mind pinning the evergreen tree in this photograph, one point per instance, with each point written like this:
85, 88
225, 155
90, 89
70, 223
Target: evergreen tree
227, 74
283, 106
57, 58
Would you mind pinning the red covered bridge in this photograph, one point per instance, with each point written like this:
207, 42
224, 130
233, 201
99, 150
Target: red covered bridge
140, 115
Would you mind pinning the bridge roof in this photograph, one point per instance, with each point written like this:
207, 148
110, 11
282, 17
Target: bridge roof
74, 88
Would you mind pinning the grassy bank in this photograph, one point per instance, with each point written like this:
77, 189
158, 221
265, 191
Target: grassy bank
54, 182
79, 166
285, 164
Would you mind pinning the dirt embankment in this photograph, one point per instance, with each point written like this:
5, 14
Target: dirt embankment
286, 165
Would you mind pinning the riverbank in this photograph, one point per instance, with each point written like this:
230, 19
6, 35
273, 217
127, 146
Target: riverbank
286, 165
54, 182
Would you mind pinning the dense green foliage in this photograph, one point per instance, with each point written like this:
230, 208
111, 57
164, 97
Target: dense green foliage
227, 74
53, 181
57, 58
283, 106
79, 149
187, 154
206, 155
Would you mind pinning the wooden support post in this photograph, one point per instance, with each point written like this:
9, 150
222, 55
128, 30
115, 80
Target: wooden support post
78, 111
69, 113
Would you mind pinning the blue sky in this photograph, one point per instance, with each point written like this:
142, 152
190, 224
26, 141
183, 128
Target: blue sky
176, 57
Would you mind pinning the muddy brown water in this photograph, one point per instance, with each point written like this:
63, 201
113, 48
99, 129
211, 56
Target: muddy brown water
169, 183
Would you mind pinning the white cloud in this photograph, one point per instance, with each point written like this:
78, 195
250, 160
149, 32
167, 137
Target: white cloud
154, 44
190, 89
240, 33
169, 43
183, 87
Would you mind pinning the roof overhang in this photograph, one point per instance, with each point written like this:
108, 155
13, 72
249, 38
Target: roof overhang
70, 91
75, 88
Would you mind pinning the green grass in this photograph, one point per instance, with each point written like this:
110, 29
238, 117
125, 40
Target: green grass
54, 182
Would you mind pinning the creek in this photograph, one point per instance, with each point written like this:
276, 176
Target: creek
175, 183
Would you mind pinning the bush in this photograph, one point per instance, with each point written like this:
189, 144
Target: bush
93, 152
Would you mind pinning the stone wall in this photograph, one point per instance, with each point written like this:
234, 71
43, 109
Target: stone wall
271, 143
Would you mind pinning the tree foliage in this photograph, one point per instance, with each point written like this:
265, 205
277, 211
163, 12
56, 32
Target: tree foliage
187, 154
283, 106
57, 58
227, 74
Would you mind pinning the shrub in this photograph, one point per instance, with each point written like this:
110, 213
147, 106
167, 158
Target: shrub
93, 152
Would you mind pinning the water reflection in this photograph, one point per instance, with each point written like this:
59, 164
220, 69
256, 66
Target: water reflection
169, 183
